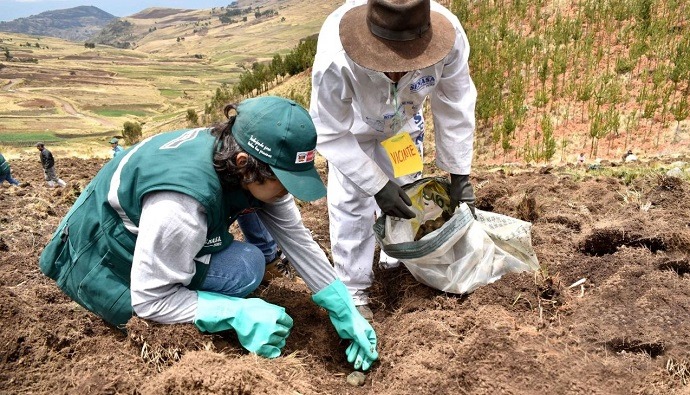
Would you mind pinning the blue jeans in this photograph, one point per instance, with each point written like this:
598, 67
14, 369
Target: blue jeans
256, 233
235, 271
239, 269
8, 177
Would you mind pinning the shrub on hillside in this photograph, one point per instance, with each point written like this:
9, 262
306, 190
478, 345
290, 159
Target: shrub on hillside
132, 132
192, 117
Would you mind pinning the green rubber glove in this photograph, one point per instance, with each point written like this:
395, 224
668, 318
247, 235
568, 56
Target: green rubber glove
349, 324
261, 327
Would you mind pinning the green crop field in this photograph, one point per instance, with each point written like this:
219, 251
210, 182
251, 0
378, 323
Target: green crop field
114, 112
27, 138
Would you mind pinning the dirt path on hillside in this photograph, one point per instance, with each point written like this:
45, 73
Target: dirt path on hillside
65, 105
8, 87
623, 330
71, 110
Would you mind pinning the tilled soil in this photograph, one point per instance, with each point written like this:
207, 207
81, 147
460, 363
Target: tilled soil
624, 330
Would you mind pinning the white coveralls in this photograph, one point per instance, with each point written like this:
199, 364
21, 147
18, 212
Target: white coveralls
354, 109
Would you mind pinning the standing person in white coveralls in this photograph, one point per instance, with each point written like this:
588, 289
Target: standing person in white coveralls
375, 65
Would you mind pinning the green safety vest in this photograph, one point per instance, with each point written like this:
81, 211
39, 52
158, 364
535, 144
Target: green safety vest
4, 166
90, 254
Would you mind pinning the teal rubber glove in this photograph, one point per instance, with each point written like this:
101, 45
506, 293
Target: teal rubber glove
349, 324
261, 327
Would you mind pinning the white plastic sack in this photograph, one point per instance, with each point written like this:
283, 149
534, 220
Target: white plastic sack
464, 253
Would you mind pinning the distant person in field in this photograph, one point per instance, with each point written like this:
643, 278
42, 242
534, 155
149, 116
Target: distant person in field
581, 159
48, 164
6, 172
375, 66
115, 144
629, 157
149, 236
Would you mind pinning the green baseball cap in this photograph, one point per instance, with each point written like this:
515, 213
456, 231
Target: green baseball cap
114, 140
280, 133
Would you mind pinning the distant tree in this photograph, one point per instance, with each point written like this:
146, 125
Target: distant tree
548, 141
277, 66
89, 45
8, 56
192, 117
259, 13
680, 111
131, 132
212, 110
301, 57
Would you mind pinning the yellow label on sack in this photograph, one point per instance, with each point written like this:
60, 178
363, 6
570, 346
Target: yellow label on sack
403, 154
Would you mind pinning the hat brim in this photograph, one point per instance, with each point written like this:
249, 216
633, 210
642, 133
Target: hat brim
388, 56
304, 185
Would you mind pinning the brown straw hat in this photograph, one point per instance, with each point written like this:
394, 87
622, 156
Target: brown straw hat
396, 35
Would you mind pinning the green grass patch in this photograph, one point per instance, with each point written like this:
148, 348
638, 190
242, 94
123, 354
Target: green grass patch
27, 139
170, 92
116, 112
627, 174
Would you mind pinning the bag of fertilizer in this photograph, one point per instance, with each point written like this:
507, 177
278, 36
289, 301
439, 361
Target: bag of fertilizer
451, 251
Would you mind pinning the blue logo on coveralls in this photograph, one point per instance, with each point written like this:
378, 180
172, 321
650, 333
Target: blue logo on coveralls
422, 83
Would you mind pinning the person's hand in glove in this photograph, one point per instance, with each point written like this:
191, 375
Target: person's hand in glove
461, 191
349, 324
261, 327
394, 201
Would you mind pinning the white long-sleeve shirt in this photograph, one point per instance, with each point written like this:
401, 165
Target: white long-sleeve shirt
351, 104
172, 230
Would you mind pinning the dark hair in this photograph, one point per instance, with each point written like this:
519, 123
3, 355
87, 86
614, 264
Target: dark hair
225, 156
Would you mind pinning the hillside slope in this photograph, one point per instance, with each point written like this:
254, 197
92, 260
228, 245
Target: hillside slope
246, 32
63, 92
74, 24
555, 79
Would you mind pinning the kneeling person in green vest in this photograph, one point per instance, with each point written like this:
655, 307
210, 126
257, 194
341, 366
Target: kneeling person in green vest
150, 234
